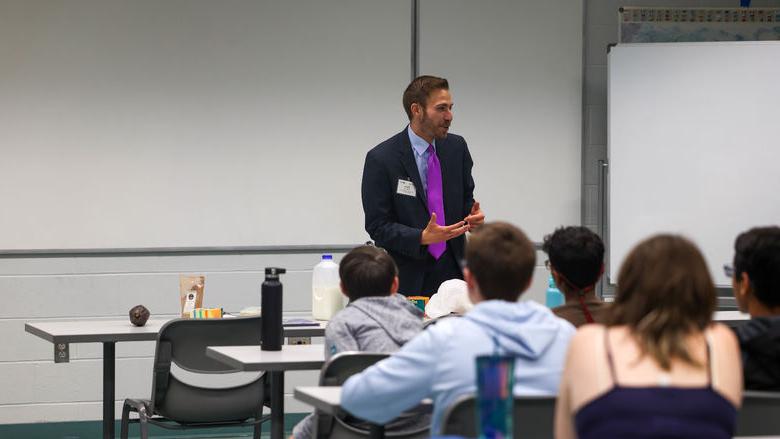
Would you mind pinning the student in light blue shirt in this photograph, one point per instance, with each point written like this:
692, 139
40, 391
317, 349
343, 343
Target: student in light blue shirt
440, 362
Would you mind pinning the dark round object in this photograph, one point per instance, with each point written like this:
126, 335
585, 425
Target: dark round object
139, 315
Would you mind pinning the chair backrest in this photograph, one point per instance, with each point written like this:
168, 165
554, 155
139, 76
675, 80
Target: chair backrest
183, 342
188, 339
345, 364
533, 417
759, 414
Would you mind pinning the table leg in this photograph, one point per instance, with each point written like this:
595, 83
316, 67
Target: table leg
277, 404
109, 353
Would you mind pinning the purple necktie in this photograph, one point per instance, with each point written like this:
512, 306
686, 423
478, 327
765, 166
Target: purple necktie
435, 199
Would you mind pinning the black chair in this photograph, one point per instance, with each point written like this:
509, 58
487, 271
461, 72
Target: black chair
533, 417
178, 405
334, 373
759, 414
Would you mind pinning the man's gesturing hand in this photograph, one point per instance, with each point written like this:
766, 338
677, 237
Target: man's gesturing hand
476, 218
436, 233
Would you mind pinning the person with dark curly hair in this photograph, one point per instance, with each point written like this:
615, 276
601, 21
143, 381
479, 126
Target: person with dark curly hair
576, 261
756, 284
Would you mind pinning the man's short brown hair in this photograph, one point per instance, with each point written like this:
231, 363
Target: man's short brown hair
502, 260
419, 89
367, 271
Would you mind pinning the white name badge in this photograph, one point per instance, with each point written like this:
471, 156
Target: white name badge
406, 187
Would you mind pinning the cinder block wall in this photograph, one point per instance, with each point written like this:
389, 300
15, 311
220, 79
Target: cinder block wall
35, 389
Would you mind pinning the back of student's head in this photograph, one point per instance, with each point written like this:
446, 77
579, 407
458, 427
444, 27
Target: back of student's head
501, 258
577, 253
367, 271
664, 293
757, 253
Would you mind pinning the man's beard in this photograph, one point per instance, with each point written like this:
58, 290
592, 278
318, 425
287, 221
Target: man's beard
434, 128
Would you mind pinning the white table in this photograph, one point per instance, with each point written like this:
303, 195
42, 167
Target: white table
328, 400
324, 399
109, 332
275, 363
730, 318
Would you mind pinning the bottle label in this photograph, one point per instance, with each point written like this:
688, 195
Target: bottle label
189, 304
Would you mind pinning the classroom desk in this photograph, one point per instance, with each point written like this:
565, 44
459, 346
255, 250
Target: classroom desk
328, 400
730, 318
275, 363
325, 399
109, 332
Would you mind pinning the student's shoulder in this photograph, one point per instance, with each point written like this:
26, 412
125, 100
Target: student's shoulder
342, 319
447, 330
723, 337
587, 338
550, 315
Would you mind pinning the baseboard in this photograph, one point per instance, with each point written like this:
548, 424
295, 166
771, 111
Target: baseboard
93, 429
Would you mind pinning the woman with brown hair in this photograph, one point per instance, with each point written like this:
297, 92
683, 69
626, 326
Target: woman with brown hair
659, 367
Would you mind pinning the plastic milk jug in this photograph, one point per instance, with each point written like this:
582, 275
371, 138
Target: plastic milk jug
326, 297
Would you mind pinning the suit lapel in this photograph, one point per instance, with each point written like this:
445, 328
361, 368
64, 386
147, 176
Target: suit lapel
410, 166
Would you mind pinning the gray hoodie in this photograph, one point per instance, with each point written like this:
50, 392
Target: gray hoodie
373, 324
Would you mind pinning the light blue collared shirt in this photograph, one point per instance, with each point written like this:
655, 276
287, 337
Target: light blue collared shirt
420, 146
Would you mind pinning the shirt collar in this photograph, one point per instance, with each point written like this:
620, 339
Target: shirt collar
419, 145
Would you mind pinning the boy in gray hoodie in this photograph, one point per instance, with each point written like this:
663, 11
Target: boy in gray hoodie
377, 319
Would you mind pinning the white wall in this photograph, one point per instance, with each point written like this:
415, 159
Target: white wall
180, 123
515, 72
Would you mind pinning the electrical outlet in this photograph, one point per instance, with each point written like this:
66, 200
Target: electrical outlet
298, 340
61, 353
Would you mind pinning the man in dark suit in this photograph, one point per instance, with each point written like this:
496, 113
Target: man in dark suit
418, 191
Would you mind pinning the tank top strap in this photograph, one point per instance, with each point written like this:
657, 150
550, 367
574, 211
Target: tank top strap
610, 361
709, 365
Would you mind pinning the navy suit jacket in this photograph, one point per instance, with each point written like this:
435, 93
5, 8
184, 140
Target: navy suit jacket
395, 221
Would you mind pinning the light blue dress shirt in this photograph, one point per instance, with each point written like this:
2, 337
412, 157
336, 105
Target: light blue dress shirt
420, 146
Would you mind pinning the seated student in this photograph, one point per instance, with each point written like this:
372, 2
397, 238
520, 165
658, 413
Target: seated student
756, 283
576, 261
659, 367
440, 362
376, 319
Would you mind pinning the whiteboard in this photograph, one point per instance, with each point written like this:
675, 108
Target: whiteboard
180, 123
515, 72
693, 145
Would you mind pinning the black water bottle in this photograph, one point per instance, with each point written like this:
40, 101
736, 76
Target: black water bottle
271, 311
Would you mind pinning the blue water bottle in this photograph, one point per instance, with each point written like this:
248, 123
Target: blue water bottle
553, 297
